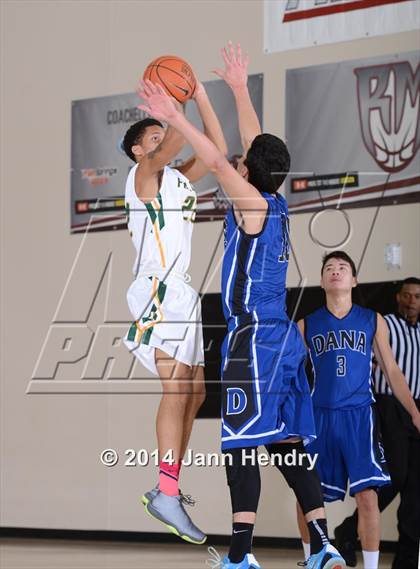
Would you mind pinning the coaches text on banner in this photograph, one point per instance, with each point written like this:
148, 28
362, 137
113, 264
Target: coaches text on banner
99, 167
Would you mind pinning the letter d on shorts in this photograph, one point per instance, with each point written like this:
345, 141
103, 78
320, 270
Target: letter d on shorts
236, 401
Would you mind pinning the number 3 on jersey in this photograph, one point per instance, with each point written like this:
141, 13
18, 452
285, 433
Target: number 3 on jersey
341, 366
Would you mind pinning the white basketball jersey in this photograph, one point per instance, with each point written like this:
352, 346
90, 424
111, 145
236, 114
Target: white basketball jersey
162, 229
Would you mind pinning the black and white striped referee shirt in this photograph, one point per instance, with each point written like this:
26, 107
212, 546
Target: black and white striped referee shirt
405, 345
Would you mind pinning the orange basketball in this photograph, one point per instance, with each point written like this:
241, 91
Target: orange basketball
174, 75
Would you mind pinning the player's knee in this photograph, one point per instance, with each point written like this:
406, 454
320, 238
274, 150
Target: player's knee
179, 399
196, 400
244, 481
301, 477
198, 387
367, 501
200, 397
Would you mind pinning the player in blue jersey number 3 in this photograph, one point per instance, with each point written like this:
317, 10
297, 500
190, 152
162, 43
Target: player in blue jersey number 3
341, 338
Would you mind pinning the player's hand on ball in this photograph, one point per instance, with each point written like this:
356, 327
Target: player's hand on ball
199, 90
157, 103
236, 67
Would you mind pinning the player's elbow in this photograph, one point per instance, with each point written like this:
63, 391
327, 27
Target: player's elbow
218, 165
246, 143
394, 376
248, 139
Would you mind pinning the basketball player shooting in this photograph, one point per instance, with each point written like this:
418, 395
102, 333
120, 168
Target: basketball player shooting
166, 335
265, 395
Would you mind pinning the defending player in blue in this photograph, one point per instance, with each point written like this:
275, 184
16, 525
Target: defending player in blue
341, 338
265, 395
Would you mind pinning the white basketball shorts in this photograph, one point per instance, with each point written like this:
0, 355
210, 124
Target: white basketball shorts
167, 315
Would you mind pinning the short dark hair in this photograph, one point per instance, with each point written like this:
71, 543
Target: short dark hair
135, 134
408, 281
268, 163
339, 255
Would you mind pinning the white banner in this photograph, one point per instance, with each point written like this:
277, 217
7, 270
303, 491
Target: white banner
293, 24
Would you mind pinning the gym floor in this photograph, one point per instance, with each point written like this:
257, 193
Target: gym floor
62, 554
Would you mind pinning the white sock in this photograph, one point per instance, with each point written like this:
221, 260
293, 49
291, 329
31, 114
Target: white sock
370, 559
306, 550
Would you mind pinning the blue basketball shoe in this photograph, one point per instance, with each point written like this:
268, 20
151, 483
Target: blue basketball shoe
327, 558
216, 562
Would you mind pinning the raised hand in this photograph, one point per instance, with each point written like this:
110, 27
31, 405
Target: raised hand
158, 103
236, 67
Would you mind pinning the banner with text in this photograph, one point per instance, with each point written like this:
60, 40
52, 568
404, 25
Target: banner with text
99, 167
293, 24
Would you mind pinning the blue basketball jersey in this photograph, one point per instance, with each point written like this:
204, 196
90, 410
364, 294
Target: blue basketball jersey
265, 393
341, 354
254, 267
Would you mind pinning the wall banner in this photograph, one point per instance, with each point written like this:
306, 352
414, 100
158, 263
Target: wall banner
99, 167
293, 24
353, 132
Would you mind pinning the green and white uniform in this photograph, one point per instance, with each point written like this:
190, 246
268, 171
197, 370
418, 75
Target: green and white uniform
166, 310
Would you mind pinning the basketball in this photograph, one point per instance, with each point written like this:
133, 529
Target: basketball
174, 75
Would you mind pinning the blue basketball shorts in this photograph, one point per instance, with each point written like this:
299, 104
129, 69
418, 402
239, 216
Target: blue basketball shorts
265, 393
349, 450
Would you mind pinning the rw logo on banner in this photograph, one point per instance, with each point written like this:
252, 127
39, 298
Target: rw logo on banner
353, 132
389, 106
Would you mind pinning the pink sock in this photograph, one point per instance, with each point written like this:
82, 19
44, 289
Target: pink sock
168, 478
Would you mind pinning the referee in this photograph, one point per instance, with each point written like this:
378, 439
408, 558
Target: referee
400, 439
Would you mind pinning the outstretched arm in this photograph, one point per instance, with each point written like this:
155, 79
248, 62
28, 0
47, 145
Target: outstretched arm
245, 197
194, 168
146, 179
392, 372
236, 76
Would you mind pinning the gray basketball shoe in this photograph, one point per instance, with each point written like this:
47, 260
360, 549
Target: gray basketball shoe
170, 511
148, 496
186, 499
